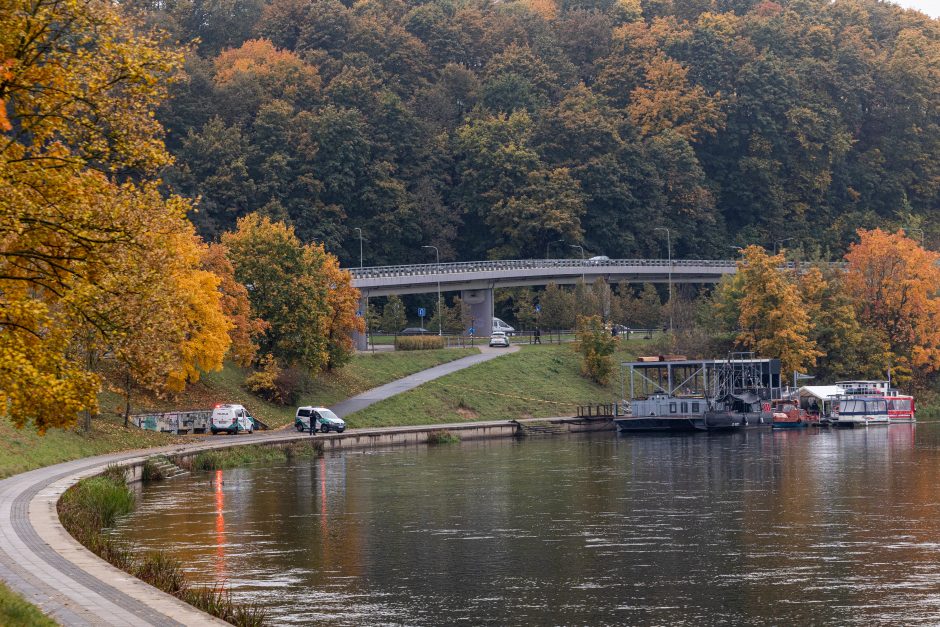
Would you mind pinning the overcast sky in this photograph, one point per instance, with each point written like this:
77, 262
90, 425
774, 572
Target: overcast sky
930, 7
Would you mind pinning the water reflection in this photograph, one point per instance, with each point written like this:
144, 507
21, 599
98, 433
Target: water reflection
759, 527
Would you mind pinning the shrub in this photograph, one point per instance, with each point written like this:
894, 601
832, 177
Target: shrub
95, 503
596, 347
151, 472
418, 342
281, 386
443, 437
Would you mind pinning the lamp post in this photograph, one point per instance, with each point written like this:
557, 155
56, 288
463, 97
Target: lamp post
360, 244
581, 248
549, 244
440, 314
780, 241
669, 254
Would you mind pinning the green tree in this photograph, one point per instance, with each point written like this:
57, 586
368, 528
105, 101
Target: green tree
393, 315
286, 289
558, 308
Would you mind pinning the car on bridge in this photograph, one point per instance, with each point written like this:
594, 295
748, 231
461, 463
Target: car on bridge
414, 331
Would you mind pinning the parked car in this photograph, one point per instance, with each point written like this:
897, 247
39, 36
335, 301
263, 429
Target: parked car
498, 338
231, 418
324, 420
414, 331
499, 325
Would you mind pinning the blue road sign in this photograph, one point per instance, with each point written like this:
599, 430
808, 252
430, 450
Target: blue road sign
471, 330
358, 313
538, 309
421, 312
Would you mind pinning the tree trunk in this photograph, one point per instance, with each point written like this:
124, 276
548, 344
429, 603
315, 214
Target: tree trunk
127, 397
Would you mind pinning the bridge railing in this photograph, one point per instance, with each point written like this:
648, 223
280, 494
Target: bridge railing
528, 264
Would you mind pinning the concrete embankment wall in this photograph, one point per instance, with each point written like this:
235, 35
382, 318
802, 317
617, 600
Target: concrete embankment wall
381, 437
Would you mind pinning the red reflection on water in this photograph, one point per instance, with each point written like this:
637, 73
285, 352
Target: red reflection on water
220, 569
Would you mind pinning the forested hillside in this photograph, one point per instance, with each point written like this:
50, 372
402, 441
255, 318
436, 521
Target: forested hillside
496, 129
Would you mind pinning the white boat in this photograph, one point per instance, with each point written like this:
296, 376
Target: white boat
860, 411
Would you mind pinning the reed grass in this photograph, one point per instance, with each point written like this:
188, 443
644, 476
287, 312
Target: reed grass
443, 436
91, 506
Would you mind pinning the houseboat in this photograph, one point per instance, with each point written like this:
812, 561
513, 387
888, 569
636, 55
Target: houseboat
860, 411
697, 395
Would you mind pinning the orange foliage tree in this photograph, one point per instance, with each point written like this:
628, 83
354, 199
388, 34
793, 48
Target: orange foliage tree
896, 287
245, 327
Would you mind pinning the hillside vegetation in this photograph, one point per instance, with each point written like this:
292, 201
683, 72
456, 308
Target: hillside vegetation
495, 129
24, 449
535, 382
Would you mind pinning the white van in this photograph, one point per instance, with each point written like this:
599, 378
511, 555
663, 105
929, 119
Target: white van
231, 419
324, 420
499, 325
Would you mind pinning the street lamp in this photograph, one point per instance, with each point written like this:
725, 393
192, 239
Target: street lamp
440, 314
549, 244
360, 244
669, 253
780, 241
581, 248
737, 248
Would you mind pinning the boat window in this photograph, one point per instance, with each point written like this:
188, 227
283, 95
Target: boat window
851, 406
876, 407
900, 404
695, 408
685, 407
672, 408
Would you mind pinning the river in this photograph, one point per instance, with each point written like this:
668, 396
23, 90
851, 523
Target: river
757, 527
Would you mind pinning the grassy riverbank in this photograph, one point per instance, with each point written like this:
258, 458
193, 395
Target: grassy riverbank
23, 449
537, 381
90, 507
17, 612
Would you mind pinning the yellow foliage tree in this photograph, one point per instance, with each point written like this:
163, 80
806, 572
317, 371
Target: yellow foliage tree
773, 321
92, 257
896, 288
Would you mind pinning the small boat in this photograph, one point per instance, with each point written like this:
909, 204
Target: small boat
860, 411
662, 412
787, 415
901, 409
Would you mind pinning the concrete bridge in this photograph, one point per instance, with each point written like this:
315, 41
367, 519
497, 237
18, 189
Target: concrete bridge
476, 280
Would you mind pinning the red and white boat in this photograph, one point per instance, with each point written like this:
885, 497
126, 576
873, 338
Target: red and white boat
901, 407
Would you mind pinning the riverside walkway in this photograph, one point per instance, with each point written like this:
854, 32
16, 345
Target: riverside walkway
42, 562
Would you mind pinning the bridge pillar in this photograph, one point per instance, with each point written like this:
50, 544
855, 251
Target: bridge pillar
361, 340
481, 309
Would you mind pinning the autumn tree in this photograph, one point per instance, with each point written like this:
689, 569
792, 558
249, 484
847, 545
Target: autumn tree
895, 285
299, 290
83, 227
596, 347
237, 307
772, 319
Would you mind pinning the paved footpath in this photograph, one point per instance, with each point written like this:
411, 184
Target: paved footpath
41, 561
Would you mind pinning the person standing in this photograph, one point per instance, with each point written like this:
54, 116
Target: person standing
537, 335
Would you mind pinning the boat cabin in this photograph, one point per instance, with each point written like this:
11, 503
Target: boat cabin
820, 400
662, 404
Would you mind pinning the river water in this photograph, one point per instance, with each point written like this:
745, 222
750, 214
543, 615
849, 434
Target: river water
757, 527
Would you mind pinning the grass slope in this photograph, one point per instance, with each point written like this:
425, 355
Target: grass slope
17, 612
22, 449
537, 381
364, 371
